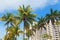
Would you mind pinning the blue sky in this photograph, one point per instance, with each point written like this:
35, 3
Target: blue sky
40, 7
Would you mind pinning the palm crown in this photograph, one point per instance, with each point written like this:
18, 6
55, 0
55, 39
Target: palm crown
54, 15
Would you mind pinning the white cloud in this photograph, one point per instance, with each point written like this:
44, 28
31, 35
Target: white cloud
53, 2
13, 4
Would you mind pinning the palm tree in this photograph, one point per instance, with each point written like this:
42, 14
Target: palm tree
41, 24
13, 32
29, 33
54, 15
26, 16
8, 18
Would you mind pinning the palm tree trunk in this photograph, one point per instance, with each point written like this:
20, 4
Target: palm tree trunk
41, 34
23, 33
24, 30
28, 38
7, 32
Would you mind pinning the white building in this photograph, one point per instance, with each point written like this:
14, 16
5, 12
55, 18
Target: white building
52, 30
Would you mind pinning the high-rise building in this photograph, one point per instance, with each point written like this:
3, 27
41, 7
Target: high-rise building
52, 30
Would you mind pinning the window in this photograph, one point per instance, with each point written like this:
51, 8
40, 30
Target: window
56, 39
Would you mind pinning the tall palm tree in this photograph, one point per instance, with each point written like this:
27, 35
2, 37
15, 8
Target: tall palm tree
54, 15
41, 24
13, 32
8, 18
26, 16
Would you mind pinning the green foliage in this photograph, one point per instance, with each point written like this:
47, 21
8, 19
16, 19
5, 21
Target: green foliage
25, 15
29, 33
47, 36
14, 30
57, 22
25, 39
9, 37
53, 15
41, 23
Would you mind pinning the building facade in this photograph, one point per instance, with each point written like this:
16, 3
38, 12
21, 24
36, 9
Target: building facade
52, 30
